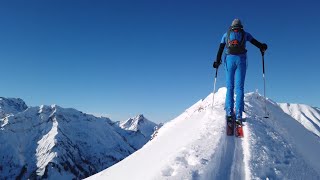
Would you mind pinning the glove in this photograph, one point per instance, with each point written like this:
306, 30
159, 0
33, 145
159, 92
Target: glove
263, 48
216, 64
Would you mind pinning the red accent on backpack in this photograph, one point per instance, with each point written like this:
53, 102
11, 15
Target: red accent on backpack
234, 42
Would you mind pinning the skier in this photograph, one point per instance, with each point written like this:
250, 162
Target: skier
233, 43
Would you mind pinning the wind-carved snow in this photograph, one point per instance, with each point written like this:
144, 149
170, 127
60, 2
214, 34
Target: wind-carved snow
195, 146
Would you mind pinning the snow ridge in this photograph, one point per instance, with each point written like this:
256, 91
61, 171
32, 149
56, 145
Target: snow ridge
194, 146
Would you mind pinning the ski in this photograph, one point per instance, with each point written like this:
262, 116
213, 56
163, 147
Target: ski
239, 129
230, 125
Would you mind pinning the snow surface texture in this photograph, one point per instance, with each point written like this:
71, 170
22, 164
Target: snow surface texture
195, 146
58, 143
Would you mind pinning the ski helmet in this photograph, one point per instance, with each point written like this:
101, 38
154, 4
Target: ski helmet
236, 23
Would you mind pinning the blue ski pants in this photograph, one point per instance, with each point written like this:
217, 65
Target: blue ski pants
236, 66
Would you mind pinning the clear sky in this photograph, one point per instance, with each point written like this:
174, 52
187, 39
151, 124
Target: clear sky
122, 58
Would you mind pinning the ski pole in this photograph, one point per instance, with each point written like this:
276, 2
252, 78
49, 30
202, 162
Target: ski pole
214, 86
264, 87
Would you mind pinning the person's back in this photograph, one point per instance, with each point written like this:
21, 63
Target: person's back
233, 43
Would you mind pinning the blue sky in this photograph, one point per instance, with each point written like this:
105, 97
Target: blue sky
123, 58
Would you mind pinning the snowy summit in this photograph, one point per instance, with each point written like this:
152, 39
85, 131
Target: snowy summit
195, 146
139, 123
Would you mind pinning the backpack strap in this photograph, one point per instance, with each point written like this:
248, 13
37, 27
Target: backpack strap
228, 37
243, 38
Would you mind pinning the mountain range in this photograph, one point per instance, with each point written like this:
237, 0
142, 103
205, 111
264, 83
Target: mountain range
51, 142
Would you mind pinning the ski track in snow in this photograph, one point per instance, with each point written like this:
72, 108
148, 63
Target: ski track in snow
228, 161
212, 156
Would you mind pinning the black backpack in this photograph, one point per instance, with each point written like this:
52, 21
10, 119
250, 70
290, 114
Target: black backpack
235, 46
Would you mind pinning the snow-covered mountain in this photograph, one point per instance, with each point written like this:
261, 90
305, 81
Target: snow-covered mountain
11, 106
308, 116
57, 143
139, 123
195, 146
137, 131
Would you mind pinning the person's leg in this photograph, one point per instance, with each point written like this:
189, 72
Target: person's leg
240, 75
230, 70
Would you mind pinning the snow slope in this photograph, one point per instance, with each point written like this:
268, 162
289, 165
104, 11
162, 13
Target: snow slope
57, 143
194, 146
308, 116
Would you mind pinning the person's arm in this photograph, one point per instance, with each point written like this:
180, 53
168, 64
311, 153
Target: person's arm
217, 63
262, 46
220, 52
256, 43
